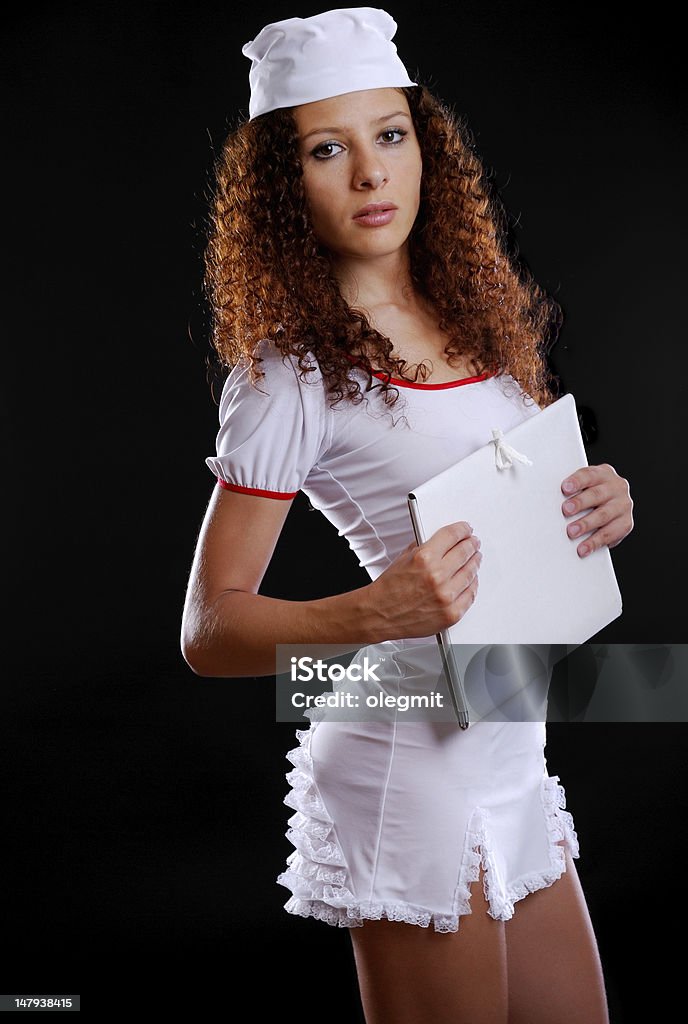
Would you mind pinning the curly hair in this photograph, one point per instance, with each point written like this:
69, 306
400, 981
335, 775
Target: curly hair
266, 275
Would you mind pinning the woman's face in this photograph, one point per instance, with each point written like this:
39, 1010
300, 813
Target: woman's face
356, 149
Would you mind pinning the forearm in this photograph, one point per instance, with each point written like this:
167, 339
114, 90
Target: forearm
237, 635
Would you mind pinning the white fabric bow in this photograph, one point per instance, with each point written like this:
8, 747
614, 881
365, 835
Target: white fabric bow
504, 453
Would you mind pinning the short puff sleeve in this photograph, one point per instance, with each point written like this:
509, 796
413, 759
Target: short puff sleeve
270, 439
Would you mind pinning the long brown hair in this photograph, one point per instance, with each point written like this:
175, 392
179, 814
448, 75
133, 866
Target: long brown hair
268, 277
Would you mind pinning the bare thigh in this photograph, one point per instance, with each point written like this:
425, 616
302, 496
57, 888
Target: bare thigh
554, 969
413, 975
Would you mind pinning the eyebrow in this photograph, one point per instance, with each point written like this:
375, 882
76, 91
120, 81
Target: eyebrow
378, 120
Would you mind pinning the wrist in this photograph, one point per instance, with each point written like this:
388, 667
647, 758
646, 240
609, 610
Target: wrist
351, 618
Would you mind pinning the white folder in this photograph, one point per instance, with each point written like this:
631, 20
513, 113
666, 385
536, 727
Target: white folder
534, 588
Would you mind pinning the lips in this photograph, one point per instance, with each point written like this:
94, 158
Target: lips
374, 208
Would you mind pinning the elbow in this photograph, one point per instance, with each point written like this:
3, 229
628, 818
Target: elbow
205, 646
195, 653
200, 662
190, 656
209, 664
203, 657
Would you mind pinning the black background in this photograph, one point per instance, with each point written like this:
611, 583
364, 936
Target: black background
143, 819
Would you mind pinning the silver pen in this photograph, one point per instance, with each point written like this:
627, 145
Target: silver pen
455, 686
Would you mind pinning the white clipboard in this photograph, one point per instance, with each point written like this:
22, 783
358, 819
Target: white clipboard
534, 587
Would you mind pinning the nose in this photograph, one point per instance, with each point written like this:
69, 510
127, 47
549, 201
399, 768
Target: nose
370, 171
374, 180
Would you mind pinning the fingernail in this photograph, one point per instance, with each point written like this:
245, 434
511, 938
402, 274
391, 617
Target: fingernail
569, 486
569, 506
584, 550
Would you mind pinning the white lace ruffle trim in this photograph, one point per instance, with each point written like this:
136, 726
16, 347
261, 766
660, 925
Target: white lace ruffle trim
317, 873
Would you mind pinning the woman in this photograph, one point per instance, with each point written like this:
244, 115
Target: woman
418, 836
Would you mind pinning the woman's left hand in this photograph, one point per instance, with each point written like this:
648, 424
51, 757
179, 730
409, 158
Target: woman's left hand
607, 495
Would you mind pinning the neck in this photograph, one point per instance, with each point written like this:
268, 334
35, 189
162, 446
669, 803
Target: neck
376, 282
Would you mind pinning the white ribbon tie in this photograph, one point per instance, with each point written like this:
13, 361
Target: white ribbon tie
504, 453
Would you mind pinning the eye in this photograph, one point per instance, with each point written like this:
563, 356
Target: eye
323, 145
388, 131
395, 131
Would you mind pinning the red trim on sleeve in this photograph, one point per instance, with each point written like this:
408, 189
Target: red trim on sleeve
256, 490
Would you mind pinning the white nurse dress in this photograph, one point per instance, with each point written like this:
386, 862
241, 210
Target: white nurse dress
392, 818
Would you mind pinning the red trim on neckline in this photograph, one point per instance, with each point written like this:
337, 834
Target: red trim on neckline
256, 490
382, 375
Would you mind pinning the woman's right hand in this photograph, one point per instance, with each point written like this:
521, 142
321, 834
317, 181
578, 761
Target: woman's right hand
428, 587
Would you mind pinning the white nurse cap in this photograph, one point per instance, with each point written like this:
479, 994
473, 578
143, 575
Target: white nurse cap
301, 60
